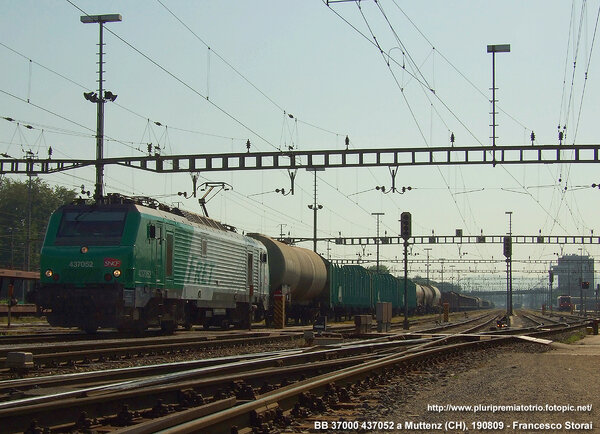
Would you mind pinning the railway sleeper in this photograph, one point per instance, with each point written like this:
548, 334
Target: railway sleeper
190, 398
264, 414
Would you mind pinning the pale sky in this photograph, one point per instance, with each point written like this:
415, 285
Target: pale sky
268, 59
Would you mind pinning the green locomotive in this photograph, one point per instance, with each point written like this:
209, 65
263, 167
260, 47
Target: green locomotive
130, 264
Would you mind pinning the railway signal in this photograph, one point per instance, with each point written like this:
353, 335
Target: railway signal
507, 247
405, 225
405, 231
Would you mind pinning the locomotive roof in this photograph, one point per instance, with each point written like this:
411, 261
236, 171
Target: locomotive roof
147, 204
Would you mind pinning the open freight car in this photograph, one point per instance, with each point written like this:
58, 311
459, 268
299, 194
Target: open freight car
354, 290
459, 302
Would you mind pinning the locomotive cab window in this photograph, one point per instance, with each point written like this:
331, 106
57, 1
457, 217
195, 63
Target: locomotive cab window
102, 226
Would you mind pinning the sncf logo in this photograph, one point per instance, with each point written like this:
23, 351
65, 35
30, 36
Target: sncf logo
111, 262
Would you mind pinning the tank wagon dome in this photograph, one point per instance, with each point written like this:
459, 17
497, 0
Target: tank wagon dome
304, 271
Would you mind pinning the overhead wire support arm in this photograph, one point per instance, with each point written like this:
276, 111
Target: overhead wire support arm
324, 159
453, 239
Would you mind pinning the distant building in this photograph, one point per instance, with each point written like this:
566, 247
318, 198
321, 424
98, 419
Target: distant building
571, 271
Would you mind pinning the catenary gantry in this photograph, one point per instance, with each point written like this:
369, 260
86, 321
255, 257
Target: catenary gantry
392, 157
452, 239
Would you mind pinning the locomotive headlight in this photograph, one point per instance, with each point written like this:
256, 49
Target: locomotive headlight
48, 273
117, 273
84, 249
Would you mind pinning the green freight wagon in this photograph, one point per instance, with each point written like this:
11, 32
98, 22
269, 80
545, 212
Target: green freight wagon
349, 290
411, 294
389, 288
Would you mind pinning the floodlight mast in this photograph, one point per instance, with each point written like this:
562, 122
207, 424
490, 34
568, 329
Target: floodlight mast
100, 19
499, 48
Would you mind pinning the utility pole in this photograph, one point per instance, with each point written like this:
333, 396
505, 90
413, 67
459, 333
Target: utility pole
281, 225
377, 214
315, 207
100, 99
427, 249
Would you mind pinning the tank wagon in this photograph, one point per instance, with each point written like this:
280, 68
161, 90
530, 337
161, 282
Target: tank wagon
428, 298
131, 263
300, 275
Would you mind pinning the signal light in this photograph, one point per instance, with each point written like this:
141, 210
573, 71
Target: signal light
107, 277
117, 273
48, 273
508, 247
56, 276
405, 225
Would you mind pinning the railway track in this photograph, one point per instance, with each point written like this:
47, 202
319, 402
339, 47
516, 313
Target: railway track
101, 348
328, 393
87, 352
114, 399
42, 337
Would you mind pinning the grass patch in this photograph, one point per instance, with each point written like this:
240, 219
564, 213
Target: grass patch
574, 337
21, 320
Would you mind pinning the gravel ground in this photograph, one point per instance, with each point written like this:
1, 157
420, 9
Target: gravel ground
563, 376
529, 375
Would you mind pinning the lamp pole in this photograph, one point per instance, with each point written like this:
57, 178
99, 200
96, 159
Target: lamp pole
100, 98
502, 48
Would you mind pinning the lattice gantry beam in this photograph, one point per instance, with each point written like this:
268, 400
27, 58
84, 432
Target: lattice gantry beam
394, 157
452, 239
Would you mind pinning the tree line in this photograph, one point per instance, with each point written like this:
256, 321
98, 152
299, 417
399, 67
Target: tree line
15, 199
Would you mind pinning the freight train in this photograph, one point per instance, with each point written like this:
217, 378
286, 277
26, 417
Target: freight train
461, 302
131, 263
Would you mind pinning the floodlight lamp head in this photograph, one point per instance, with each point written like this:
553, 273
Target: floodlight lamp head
108, 95
91, 96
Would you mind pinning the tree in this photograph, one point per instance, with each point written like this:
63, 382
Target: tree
382, 268
15, 196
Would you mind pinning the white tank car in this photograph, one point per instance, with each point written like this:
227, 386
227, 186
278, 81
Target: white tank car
428, 297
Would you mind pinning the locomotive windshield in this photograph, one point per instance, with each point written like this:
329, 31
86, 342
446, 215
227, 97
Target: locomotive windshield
89, 225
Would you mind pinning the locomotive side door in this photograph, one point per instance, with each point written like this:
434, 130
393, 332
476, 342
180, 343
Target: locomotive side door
158, 272
249, 276
169, 249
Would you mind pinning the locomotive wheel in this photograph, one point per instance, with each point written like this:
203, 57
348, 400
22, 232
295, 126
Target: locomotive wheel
168, 327
225, 324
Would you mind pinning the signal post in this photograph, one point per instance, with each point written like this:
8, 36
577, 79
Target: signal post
405, 230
